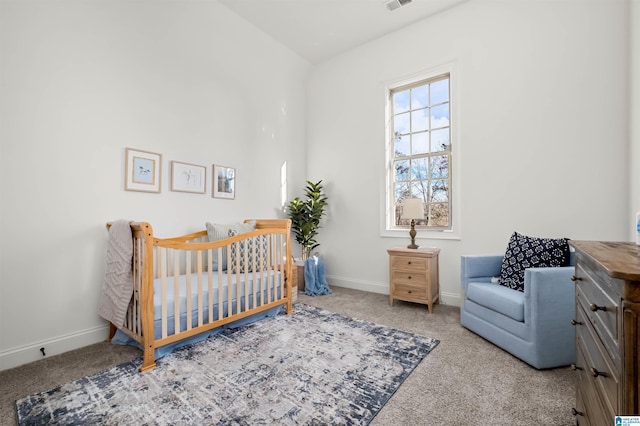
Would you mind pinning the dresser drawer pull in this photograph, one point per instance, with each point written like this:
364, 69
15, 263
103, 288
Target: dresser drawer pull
409, 277
574, 278
574, 322
575, 367
576, 412
596, 373
409, 263
595, 307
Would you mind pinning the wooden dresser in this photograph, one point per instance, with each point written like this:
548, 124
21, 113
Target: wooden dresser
607, 323
413, 275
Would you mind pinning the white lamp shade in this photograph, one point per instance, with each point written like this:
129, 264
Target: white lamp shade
412, 208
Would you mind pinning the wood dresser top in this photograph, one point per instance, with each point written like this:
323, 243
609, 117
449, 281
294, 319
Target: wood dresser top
621, 260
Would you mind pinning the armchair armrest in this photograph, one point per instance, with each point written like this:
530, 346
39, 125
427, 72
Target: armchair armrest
551, 295
479, 267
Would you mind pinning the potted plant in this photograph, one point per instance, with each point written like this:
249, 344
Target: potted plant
305, 217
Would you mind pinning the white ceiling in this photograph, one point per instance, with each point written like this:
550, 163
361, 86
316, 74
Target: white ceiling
320, 29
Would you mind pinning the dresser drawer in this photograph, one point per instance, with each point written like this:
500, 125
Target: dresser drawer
589, 409
595, 367
602, 309
407, 263
582, 416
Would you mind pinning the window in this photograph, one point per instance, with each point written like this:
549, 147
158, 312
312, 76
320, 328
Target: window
419, 144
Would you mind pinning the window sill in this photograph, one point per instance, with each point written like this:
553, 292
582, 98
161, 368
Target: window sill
421, 235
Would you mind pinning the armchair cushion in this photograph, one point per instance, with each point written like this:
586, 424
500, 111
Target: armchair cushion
531, 252
497, 298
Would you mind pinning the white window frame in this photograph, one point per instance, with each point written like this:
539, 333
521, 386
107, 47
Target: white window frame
387, 220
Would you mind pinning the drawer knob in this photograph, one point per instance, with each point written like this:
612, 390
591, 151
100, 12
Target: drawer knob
574, 278
409, 263
574, 322
595, 307
575, 367
409, 277
596, 373
576, 412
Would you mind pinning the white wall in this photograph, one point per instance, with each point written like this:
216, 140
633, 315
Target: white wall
542, 131
634, 114
82, 80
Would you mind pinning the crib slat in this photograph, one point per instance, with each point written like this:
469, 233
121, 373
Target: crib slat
236, 279
220, 284
187, 271
281, 268
270, 278
229, 303
210, 283
199, 272
247, 270
176, 292
161, 253
243, 287
276, 268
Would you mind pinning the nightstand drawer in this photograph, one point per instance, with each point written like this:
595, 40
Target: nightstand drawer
406, 263
410, 278
403, 291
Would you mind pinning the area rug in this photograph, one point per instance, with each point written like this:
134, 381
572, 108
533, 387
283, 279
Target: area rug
310, 367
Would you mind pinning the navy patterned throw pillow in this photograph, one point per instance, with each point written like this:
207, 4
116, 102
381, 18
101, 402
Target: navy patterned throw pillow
530, 252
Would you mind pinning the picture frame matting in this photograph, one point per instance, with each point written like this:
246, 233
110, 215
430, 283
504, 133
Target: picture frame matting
142, 170
188, 177
224, 182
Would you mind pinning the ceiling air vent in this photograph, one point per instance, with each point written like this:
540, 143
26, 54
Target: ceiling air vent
395, 4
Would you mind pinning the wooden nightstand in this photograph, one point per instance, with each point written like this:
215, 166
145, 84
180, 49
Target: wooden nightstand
413, 275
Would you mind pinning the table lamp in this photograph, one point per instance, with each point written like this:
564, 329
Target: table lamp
412, 208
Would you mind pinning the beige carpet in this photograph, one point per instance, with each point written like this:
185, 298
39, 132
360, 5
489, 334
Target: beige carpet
465, 380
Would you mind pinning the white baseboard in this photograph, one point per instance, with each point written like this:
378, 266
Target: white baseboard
23, 355
446, 298
452, 299
370, 286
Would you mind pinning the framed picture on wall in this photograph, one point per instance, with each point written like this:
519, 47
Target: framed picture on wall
142, 170
186, 177
224, 182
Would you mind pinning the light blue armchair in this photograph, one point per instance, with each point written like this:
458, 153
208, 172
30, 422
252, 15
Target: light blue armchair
534, 325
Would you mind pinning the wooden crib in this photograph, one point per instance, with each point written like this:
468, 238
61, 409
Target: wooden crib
178, 292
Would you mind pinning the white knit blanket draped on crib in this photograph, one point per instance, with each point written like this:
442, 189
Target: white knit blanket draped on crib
117, 287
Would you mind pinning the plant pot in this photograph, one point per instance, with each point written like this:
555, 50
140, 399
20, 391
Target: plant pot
298, 274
